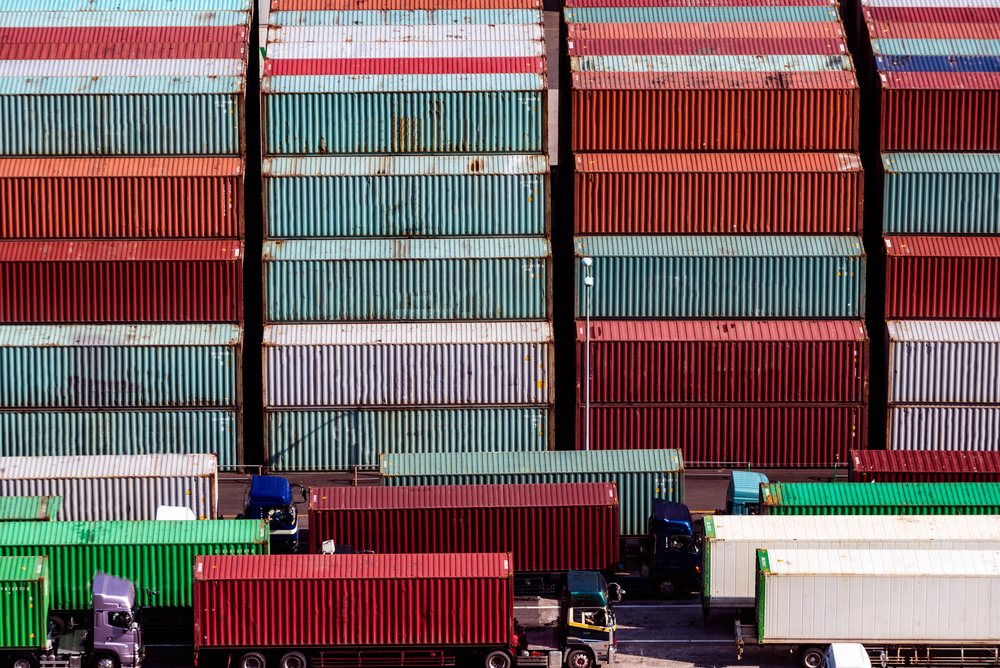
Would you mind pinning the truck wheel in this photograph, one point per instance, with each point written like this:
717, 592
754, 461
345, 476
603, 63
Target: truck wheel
812, 657
667, 588
105, 661
253, 660
580, 658
293, 660
498, 659
23, 661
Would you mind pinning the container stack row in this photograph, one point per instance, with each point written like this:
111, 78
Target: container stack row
935, 149
407, 262
121, 225
718, 210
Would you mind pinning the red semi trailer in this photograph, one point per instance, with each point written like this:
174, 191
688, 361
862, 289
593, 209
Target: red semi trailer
924, 466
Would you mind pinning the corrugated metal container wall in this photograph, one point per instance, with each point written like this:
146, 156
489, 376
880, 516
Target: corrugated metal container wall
324, 440
520, 519
121, 197
29, 508
116, 487
924, 466
109, 281
942, 277
802, 592
154, 555
887, 498
76, 432
944, 428
411, 279
719, 277
940, 362
406, 196
377, 365
26, 584
731, 434
120, 366
926, 193
498, 12
640, 475
385, 601
729, 193
728, 361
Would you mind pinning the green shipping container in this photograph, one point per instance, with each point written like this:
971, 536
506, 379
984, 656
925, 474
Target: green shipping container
641, 475
29, 508
884, 498
24, 602
154, 555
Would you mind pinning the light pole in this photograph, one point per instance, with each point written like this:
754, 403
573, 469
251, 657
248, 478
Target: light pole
588, 283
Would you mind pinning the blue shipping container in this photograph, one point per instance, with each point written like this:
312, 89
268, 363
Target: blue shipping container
936, 47
938, 63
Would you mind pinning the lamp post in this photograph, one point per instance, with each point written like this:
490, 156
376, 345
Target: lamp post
588, 283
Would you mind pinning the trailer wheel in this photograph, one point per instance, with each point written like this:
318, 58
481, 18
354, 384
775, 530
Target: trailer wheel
579, 658
293, 660
498, 659
253, 660
812, 657
666, 588
23, 661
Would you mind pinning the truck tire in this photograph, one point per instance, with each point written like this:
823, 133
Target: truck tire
104, 661
579, 658
666, 588
812, 657
498, 659
23, 661
252, 660
293, 660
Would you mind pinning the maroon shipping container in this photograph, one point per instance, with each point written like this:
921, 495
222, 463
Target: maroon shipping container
690, 361
718, 193
931, 14
924, 466
785, 435
530, 521
715, 111
714, 47
953, 278
882, 30
699, 3
121, 197
373, 601
122, 34
121, 281
703, 31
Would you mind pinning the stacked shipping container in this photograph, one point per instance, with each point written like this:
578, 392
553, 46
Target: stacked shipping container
718, 196
406, 267
121, 220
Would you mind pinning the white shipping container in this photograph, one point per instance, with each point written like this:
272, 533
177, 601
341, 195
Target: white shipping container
349, 50
944, 428
924, 597
425, 364
943, 362
400, 33
116, 487
731, 543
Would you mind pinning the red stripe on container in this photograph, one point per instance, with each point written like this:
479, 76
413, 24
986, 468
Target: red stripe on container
706, 47
122, 51
475, 518
989, 31
120, 281
383, 5
705, 119
340, 602
730, 435
704, 30
291, 67
964, 119
942, 277
924, 466
113, 35
725, 361
718, 193
121, 197
931, 14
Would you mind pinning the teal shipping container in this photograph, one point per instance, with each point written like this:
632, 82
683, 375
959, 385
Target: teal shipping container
411, 113
406, 17
641, 475
722, 277
29, 508
120, 366
406, 279
403, 196
340, 439
883, 498
722, 14
122, 432
940, 193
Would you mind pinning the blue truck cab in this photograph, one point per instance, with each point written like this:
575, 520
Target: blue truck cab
675, 564
270, 497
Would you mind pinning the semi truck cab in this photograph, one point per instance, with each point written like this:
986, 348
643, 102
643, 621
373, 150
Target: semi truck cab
675, 559
270, 498
588, 628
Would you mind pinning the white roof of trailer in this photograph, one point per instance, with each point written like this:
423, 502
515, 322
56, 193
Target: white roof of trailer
108, 466
848, 528
884, 562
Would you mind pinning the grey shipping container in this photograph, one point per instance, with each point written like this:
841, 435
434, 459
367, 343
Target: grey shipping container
944, 428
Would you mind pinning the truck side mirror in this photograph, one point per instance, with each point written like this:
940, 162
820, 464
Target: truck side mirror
615, 592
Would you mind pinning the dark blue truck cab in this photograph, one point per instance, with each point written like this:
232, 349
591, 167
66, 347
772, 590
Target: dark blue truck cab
675, 559
270, 497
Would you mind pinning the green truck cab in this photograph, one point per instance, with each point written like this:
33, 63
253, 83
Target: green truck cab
587, 625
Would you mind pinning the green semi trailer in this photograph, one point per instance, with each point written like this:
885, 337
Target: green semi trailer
884, 498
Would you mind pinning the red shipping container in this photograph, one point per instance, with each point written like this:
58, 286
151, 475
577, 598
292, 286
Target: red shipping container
715, 111
988, 31
938, 111
522, 519
931, 14
121, 281
122, 34
700, 3
690, 361
924, 466
953, 278
124, 51
747, 31
374, 601
718, 193
785, 435
121, 197
710, 47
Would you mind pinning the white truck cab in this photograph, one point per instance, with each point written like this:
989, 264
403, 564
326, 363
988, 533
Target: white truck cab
847, 655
